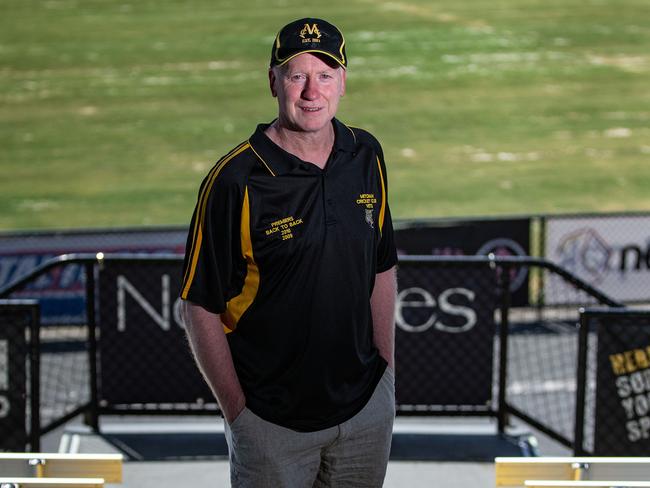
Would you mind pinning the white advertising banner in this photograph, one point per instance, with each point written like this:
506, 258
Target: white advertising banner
610, 253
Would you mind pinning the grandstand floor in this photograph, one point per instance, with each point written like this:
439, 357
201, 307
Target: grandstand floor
426, 452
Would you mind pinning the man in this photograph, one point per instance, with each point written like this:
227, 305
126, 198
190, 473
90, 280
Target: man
289, 283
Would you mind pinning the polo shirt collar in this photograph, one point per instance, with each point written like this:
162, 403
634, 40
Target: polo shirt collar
281, 161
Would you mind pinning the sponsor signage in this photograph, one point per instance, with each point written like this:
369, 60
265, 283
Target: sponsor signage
610, 253
444, 335
13, 435
61, 291
622, 426
507, 237
444, 338
144, 354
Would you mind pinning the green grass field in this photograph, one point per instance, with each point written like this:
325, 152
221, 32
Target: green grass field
112, 111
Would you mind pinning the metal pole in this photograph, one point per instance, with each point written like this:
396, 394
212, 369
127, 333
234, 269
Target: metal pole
35, 379
92, 419
583, 335
504, 283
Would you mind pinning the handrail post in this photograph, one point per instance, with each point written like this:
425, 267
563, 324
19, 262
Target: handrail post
35, 379
504, 283
581, 385
92, 419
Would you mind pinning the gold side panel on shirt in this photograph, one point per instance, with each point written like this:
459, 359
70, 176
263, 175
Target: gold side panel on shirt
382, 210
236, 307
199, 222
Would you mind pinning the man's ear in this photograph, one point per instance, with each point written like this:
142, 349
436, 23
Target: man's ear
272, 80
343, 74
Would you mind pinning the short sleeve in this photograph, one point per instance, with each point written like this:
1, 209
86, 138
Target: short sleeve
386, 251
213, 259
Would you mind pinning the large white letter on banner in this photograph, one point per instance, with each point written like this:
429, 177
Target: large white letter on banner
124, 286
466, 312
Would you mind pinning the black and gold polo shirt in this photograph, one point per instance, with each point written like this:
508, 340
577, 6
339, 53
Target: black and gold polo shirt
287, 254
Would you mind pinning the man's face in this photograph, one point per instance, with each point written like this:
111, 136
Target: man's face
308, 91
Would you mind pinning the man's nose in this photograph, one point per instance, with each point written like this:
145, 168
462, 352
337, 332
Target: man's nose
310, 91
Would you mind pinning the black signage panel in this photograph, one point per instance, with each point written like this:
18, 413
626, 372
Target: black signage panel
501, 237
144, 354
13, 379
622, 425
445, 330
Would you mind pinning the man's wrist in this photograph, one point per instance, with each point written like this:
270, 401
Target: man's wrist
233, 410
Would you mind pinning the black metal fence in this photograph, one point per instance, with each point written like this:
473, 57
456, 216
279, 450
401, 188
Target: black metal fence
610, 251
19, 375
540, 362
462, 346
61, 356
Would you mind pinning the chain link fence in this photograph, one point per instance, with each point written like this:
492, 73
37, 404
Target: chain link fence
462, 347
61, 290
610, 252
542, 351
18, 391
62, 355
65, 373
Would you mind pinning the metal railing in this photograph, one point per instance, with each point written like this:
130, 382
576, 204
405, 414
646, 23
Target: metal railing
507, 319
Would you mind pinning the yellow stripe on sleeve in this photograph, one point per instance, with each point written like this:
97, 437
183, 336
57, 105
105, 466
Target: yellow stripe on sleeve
261, 159
236, 307
199, 222
382, 210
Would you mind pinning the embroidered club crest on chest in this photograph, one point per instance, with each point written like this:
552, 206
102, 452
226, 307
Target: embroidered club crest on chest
369, 218
367, 201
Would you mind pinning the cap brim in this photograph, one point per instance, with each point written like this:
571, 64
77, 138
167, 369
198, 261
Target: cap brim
313, 51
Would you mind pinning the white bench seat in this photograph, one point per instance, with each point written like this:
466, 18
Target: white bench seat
515, 471
585, 484
25, 482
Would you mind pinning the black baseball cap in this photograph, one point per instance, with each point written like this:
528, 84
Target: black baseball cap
308, 35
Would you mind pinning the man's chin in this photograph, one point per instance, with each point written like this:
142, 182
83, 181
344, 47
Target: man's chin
312, 125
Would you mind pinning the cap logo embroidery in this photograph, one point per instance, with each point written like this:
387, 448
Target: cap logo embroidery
312, 31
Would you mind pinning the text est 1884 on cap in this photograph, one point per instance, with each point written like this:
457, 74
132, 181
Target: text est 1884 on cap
309, 35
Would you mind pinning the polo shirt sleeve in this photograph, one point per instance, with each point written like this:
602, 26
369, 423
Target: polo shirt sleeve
386, 251
213, 252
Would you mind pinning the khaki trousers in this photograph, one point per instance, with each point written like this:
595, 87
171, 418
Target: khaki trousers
352, 454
